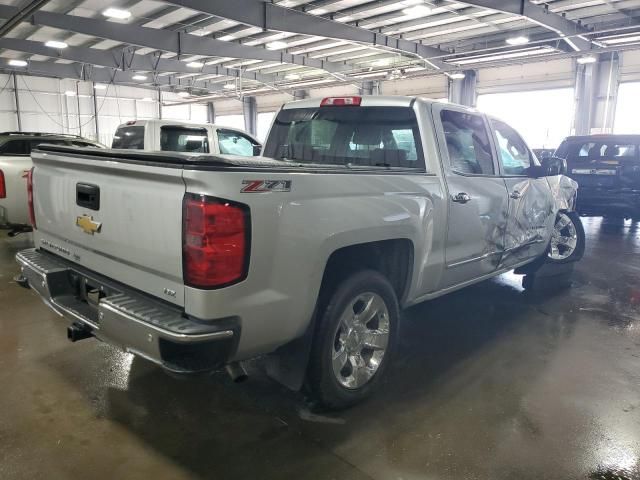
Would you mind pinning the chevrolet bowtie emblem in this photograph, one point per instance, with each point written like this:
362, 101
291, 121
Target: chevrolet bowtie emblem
86, 223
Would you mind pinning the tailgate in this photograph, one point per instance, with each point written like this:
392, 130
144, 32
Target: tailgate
612, 173
120, 219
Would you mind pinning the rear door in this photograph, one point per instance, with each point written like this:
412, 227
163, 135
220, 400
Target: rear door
477, 196
531, 208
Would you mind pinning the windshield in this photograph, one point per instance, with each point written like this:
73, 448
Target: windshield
365, 136
598, 150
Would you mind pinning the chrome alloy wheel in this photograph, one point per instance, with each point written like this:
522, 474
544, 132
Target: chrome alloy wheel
564, 238
361, 340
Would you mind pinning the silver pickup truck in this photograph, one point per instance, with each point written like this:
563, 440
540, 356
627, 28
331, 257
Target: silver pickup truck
359, 206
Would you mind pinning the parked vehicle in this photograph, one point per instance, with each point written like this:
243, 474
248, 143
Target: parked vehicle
360, 207
607, 168
173, 136
15, 163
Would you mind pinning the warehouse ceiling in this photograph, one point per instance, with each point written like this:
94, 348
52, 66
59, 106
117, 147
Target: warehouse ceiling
242, 47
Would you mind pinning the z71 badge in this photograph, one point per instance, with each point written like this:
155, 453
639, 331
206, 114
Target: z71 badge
263, 186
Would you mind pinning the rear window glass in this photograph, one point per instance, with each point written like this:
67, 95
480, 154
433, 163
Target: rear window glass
599, 150
367, 136
15, 147
184, 139
130, 137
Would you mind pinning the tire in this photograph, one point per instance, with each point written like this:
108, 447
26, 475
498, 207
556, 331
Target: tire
573, 228
342, 333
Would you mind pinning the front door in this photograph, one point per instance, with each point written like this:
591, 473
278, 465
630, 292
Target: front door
531, 208
477, 196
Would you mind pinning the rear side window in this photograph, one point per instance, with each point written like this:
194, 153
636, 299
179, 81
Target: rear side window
15, 147
184, 139
34, 143
468, 143
336, 135
129, 137
234, 143
597, 150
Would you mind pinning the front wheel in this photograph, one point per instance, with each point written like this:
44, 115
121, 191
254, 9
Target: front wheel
567, 239
355, 338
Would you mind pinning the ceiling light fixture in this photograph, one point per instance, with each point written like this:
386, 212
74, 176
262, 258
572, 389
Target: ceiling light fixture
195, 64
139, 77
276, 45
183, 94
229, 86
147, 99
292, 76
100, 86
55, 44
117, 13
457, 76
519, 40
417, 11
587, 59
18, 63
70, 93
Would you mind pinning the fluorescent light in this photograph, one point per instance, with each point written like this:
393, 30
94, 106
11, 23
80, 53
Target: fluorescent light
318, 11
382, 62
528, 52
229, 86
147, 99
457, 76
139, 77
18, 63
195, 64
70, 93
276, 45
226, 38
587, 59
117, 13
183, 94
417, 10
55, 44
292, 76
519, 40
100, 86
617, 39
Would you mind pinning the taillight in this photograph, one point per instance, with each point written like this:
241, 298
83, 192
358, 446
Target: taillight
32, 214
3, 186
341, 101
216, 241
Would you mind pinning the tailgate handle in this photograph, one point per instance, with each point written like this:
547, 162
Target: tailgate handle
88, 196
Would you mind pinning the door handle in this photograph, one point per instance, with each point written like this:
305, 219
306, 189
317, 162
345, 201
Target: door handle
461, 197
516, 194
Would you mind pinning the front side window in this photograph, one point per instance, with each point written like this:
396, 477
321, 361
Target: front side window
15, 147
337, 135
184, 139
234, 143
513, 152
468, 143
130, 137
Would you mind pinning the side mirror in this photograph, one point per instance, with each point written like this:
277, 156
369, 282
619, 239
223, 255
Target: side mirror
554, 166
257, 150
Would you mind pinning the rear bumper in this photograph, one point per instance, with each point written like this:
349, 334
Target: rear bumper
602, 201
128, 319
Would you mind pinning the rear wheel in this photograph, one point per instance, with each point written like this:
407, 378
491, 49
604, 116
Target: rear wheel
567, 240
354, 340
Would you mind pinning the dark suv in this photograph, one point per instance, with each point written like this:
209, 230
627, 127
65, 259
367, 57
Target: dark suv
607, 169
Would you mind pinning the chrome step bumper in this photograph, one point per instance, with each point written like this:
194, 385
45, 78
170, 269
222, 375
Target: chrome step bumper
128, 319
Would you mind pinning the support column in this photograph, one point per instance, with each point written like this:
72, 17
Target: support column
370, 87
159, 104
463, 91
596, 95
211, 113
96, 123
78, 107
300, 94
16, 96
250, 111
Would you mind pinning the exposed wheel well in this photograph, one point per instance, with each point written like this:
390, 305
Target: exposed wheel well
392, 258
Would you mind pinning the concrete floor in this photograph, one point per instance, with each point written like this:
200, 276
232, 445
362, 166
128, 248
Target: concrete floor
490, 383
